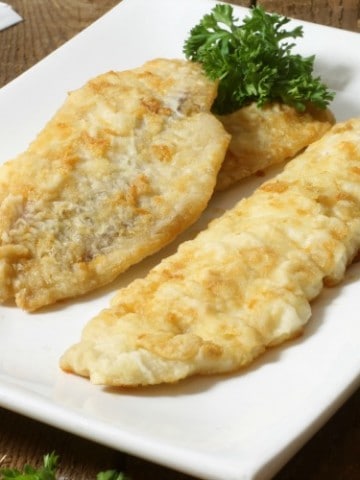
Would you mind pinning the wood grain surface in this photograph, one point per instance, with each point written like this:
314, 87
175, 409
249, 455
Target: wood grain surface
334, 452
46, 26
336, 13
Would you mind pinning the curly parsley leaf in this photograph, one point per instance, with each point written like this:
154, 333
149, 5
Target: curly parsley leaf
48, 471
254, 61
111, 475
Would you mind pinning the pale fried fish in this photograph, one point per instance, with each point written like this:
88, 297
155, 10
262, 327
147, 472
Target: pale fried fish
126, 164
265, 136
241, 285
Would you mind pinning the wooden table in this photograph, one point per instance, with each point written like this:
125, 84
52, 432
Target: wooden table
334, 452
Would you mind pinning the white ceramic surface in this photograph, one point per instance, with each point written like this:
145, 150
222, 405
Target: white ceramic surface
241, 426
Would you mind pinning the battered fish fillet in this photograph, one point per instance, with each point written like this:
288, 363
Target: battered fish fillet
265, 136
126, 164
241, 285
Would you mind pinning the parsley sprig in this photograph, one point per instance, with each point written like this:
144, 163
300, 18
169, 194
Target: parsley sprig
48, 471
253, 61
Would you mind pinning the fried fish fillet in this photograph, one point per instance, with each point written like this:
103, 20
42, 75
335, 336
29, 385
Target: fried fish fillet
261, 137
243, 284
127, 163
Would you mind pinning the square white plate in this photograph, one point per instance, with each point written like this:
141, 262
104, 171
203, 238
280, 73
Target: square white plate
240, 426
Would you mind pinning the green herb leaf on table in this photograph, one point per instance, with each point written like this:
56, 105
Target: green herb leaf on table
254, 61
48, 471
111, 475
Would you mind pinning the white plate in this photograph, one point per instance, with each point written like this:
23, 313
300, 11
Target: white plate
231, 427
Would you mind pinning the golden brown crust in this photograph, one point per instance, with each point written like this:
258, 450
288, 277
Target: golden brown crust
241, 285
112, 178
265, 136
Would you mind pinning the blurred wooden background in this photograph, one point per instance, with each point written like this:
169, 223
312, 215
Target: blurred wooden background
336, 13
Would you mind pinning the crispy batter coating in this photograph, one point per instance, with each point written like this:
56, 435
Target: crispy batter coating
243, 284
127, 163
261, 137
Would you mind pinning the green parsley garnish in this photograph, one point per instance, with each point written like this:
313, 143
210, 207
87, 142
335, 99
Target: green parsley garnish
48, 471
111, 475
253, 61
